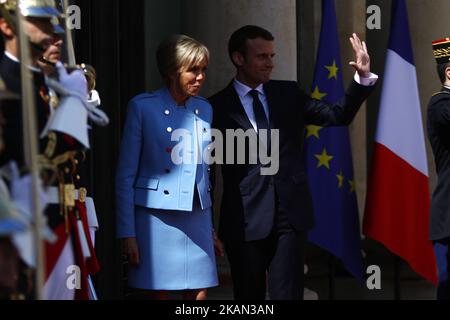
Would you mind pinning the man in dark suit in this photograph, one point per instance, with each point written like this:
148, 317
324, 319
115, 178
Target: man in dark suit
438, 122
265, 218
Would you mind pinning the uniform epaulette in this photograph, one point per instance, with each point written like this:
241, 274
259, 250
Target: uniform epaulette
440, 92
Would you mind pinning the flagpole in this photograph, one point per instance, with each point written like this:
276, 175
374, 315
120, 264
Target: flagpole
31, 151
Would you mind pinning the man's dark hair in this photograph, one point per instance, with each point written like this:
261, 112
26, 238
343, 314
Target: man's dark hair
238, 40
441, 71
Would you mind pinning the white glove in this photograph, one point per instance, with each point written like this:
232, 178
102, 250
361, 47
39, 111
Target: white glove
69, 84
94, 99
75, 84
95, 114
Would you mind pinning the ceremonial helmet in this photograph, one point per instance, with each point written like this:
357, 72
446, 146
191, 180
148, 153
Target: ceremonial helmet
58, 29
28, 8
32, 8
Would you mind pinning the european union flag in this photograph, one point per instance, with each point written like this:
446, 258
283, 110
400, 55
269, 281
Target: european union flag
329, 160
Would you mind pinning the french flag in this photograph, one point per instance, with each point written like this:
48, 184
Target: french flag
398, 199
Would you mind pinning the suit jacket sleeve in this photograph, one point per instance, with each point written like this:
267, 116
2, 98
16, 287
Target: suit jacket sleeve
127, 170
341, 114
216, 179
214, 167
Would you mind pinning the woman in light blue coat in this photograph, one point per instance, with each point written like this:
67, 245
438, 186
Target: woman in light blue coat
162, 184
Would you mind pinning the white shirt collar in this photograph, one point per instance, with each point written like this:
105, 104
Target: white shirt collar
447, 87
11, 56
15, 59
243, 90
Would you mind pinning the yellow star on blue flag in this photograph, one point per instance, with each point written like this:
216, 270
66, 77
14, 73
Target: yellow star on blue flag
317, 94
333, 69
340, 178
324, 159
313, 131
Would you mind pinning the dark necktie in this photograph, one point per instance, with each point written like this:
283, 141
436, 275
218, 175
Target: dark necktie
260, 116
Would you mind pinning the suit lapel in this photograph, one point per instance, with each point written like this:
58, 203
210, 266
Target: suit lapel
237, 111
273, 99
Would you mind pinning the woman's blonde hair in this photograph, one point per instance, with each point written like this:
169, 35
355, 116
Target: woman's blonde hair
179, 53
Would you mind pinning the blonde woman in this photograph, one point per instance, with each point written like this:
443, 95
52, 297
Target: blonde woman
164, 206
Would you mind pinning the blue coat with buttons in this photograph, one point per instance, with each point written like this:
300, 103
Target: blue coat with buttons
154, 171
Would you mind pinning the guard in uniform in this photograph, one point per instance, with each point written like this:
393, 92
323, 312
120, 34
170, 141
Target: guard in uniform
439, 135
86, 222
63, 140
87, 260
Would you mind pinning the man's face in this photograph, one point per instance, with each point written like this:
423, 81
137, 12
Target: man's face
53, 52
39, 31
256, 66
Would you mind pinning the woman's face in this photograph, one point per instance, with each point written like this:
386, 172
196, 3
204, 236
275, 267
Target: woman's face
189, 81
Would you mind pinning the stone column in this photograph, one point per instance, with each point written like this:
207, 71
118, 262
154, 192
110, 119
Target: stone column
162, 20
